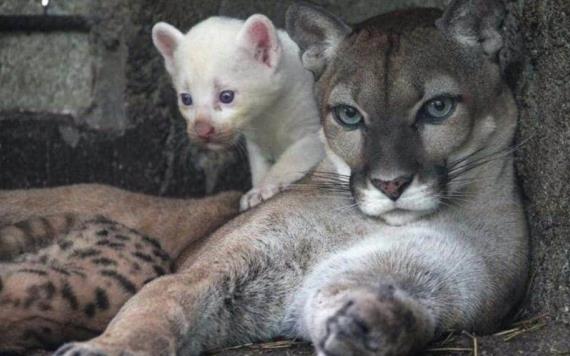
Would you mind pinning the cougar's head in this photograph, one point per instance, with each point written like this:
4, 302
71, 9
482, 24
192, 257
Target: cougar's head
407, 99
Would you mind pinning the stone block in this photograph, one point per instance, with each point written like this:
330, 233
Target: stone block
45, 72
55, 7
543, 160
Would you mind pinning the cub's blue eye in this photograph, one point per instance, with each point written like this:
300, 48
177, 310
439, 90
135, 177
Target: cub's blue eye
227, 96
186, 99
348, 116
438, 109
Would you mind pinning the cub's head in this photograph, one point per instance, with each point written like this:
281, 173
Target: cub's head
406, 99
225, 72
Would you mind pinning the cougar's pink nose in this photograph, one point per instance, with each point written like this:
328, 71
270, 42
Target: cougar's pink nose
394, 188
204, 130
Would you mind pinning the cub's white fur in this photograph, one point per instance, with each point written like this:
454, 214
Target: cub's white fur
273, 104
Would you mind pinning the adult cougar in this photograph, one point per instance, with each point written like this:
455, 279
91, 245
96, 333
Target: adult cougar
417, 122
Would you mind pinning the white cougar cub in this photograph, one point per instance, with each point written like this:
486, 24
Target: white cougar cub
238, 78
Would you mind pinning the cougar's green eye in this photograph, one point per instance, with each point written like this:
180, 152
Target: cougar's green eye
347, 116
438, 109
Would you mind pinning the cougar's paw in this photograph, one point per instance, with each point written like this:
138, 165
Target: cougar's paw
85, 349
369, 323
258, 195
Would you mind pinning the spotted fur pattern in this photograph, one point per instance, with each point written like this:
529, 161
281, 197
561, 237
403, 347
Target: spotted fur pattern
34, 233
69, 290
70, 256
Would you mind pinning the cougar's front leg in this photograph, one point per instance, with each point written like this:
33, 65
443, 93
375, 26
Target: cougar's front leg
379, 319
391, 300
219, 302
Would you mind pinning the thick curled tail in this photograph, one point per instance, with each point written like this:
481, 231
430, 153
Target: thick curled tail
33, 234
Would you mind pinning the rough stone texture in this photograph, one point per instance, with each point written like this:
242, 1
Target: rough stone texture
66, 7
544, 169
77, 71
352, 11
55, 7
31, 89
45, 149
355, 11
133, 136
21, 7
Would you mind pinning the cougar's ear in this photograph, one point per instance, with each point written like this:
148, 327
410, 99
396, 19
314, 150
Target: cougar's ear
166, 39
317, 33
475, 23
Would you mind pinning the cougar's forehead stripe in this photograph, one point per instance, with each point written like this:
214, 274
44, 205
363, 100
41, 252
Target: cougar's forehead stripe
441, 85
341, 94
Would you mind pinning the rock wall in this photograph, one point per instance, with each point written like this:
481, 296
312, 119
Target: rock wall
543, 93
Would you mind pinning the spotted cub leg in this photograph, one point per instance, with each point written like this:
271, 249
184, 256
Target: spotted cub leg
72, 289
34, 233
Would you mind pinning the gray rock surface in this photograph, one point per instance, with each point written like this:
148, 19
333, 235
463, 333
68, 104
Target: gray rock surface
31, 67
54, 7
543, 161
21, 7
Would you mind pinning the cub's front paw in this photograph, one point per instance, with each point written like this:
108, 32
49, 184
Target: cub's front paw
258, 195
85, 349
367, 324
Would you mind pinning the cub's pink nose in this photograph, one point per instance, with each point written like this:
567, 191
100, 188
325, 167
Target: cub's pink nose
204, 130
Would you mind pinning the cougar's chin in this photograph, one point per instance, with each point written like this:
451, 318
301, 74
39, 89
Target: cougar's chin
419, 200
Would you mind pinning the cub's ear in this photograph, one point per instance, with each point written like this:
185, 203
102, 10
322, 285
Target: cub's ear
259, 37
317, 33
166, 39
475, 23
